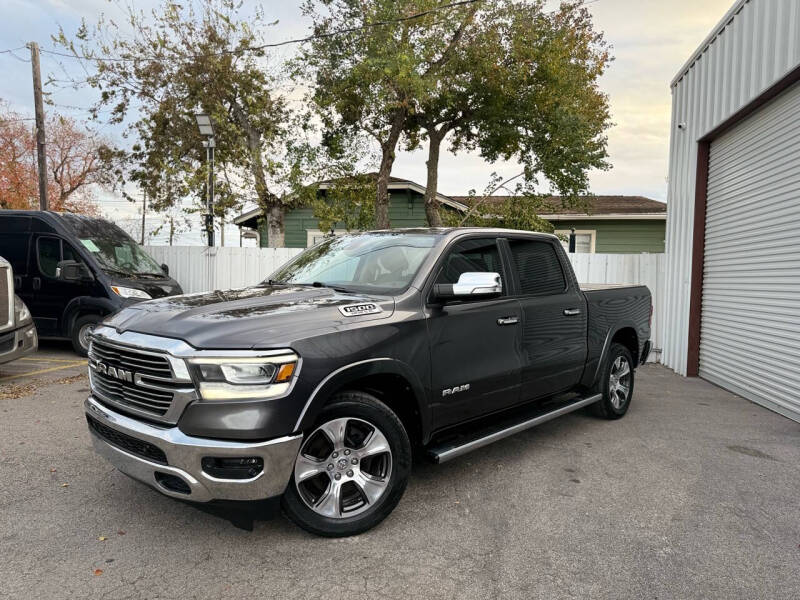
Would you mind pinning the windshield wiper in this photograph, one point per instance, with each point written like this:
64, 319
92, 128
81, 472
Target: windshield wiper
319, 284
117, 270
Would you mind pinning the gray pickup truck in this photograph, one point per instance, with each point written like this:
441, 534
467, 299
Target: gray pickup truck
319, 384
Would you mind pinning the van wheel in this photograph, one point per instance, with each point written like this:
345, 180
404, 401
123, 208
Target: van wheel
81, 331
352, 468
615, 384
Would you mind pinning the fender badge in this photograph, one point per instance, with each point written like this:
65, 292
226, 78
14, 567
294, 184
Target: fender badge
355, 310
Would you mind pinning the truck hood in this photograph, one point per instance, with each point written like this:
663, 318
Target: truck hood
261, 316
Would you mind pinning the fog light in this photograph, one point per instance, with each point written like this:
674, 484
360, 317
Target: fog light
233, 468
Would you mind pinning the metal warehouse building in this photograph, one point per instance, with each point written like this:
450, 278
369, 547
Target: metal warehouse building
733, 222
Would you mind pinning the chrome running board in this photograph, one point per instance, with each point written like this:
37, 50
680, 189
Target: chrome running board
450, 450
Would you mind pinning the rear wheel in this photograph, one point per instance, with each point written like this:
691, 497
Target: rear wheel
81, 332
615, 384
352, 468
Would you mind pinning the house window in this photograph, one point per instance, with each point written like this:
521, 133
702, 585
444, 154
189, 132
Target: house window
584, 239
315, 236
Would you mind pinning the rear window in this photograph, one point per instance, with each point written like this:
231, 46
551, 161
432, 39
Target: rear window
540, 272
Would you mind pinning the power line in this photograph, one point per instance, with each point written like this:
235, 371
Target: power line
309, 38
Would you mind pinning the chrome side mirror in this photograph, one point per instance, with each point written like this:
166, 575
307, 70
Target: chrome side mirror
470, 285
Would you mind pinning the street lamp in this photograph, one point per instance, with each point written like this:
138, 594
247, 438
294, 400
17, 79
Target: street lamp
207, 129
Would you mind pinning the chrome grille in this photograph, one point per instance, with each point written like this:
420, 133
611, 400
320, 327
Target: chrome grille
134, 379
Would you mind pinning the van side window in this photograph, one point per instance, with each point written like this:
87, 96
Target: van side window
49, 251
471, 256
540, 272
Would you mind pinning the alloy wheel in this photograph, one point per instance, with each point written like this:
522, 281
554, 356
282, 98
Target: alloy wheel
619, 384
343, 468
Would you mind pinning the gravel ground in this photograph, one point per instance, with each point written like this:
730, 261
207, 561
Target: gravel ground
694, 494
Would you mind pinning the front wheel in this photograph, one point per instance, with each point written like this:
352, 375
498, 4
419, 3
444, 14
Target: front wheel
615, 384
82, 331
352, 468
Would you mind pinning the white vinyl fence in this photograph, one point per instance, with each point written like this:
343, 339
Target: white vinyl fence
199, 269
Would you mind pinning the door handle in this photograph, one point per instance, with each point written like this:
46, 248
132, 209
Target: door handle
37, 283
571, 312
507, 321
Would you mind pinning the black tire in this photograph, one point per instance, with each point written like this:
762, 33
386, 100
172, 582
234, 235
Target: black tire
360, 408
610, 407
78, 333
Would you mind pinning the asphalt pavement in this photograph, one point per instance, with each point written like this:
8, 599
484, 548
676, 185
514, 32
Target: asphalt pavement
694, 494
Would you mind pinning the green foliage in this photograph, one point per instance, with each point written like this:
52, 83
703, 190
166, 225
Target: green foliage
347, 202
366, 82
177, 61
522, 85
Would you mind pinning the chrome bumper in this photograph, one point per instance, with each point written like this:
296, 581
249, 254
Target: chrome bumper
24, 342
184, 455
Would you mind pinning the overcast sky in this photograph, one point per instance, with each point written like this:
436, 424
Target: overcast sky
651, 39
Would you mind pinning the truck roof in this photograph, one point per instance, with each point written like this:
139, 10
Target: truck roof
450, 231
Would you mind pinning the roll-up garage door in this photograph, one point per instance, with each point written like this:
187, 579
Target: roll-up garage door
750, 325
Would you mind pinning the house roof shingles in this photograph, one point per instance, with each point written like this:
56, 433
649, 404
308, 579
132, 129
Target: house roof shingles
597, 205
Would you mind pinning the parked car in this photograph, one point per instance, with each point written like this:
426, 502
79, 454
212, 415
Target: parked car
17, 331
316, 384
73, 270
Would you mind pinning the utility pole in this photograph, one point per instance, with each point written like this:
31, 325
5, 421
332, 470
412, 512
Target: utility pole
171, 229
40, 137
144, 210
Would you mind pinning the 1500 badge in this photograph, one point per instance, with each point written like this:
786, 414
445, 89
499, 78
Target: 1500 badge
455, 390
355, 310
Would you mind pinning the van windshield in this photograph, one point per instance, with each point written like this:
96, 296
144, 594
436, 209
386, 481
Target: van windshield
369, 262
113, 249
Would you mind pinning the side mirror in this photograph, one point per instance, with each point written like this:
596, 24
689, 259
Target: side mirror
72, 270
470, 285
165, 268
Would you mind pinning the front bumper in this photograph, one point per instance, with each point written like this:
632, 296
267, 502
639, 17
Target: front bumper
184, 454
18, 343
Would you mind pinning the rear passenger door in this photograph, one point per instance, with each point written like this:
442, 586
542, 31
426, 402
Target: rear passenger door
474, 344
554, 319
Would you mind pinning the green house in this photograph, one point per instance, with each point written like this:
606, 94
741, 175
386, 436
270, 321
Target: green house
611, 224
617, 224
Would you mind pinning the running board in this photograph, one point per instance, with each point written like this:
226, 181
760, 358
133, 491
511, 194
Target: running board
451, 449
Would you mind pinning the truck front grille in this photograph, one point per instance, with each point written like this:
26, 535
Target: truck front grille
6, 298
140, 448
132, 378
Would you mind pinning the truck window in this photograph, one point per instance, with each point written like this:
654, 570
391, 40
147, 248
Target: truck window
471, 256
49, 252
538, 267
14, 248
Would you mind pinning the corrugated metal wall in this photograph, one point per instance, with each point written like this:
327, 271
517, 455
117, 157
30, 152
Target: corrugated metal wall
754, 46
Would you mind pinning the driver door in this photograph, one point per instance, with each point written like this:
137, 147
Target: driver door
475, 344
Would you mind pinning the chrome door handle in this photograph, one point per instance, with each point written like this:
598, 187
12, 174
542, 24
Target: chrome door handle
571, 312
507, 321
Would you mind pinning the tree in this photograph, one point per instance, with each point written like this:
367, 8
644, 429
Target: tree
522, 85
179, 60
370, 60
78, 161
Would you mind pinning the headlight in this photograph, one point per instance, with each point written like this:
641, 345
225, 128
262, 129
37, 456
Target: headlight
127, 292
247, 377
21, 313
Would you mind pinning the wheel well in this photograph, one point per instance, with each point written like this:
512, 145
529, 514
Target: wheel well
628, 338
82, 312
396, 393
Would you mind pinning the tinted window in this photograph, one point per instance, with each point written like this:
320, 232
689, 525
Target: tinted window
471, 256
14, 248
49, 250
538, 267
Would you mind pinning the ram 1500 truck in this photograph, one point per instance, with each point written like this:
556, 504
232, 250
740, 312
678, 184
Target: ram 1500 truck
319, 384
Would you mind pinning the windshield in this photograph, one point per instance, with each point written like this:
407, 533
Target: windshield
369, 262
112, 247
